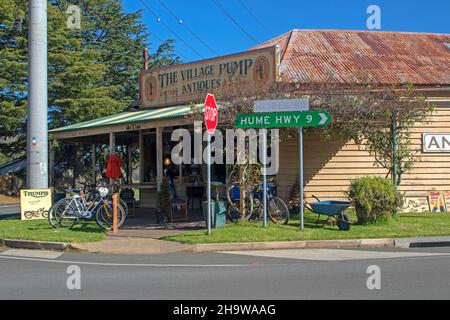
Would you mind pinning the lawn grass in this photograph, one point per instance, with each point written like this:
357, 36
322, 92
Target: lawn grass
407, 225
14, 228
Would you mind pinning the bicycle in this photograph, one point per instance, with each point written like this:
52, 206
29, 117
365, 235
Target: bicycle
277, 210
40, 213
114, 188
68, 211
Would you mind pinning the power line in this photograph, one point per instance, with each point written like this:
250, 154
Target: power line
222, 8
180, 21
256, 18
158, 19
124, 36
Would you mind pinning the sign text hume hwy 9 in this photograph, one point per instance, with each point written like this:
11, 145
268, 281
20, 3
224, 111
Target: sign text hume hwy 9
283, 119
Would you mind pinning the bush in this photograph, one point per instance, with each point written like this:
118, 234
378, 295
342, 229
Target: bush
163, 200
375, 199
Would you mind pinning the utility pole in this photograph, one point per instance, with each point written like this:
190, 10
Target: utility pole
37, 140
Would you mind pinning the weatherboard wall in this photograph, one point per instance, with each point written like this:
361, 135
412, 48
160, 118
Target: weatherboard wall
329, 166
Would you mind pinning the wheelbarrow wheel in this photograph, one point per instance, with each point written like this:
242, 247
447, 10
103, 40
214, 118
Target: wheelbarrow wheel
343, 222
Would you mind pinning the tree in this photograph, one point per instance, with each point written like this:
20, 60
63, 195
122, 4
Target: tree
13, 78
379, 120
92, 72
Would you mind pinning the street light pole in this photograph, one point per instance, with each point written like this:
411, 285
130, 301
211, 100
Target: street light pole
37, 143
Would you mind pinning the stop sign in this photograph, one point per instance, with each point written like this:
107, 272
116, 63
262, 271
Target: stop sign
211, 113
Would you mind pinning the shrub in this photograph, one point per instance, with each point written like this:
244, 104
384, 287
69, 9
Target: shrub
163, 200
375, 199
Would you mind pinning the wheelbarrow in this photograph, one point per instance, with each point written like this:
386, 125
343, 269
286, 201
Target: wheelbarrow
331, 209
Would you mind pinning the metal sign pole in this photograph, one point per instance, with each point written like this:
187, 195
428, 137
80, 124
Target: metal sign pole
300, 181
209, 184
265, 177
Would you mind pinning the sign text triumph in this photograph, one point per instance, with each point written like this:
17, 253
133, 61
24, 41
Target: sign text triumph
236, 148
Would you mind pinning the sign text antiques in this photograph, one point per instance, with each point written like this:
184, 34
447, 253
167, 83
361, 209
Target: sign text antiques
436, 142
223, 76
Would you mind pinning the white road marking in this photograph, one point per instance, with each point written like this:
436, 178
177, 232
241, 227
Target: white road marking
31, 253
333, 254
107, 264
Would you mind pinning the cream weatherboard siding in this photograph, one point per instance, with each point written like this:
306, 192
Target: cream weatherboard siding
329, 166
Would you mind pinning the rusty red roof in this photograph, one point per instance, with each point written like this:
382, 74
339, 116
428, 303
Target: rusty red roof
352, 57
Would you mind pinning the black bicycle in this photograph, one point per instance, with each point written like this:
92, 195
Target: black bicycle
277, 210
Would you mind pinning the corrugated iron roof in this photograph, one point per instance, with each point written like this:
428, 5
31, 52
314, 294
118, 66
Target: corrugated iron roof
352, 57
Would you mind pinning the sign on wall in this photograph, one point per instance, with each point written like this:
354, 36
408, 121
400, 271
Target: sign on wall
436, 201
222, 76
447, 200
35, 203
436, 142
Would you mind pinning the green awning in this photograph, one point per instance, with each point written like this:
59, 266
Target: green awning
130, 117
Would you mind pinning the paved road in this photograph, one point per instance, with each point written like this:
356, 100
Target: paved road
9, 209
422, 273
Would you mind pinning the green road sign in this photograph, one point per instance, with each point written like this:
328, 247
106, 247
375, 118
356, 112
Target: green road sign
283, 119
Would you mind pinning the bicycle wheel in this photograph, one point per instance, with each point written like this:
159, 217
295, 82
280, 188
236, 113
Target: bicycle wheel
125, 206
104, 216
28, 214
277, 210
234, 212
63, 214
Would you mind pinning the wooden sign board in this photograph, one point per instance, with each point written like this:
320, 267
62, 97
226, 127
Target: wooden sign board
230, 75
436, 201
35, 203
447, 200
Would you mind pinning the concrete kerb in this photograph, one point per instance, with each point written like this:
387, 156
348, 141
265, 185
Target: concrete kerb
30, 244
309, 244
422, 242
215, 247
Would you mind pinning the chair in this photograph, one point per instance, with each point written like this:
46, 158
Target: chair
177, 204
127, 195
194, 192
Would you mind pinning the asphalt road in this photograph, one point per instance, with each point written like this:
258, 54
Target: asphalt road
9, 209
278, 274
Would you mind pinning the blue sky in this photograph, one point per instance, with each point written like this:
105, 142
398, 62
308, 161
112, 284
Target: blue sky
215, 29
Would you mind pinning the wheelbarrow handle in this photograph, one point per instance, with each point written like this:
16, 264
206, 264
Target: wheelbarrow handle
315, 197
307, 205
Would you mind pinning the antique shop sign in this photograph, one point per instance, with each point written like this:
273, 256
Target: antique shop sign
237, 74
436, 142
35, 203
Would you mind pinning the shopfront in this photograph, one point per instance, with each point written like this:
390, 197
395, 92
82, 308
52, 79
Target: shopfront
298, 57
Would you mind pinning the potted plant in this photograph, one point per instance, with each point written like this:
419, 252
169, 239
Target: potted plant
163, 203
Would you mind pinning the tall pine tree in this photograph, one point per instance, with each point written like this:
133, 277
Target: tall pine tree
92, 71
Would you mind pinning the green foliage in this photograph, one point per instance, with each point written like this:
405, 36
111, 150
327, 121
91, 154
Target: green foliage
376, 117
163, 200
92, 72
375, 199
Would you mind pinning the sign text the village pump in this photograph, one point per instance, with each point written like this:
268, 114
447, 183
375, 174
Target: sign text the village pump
186, 83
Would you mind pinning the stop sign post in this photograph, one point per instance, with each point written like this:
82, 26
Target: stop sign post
211, 117
211, 113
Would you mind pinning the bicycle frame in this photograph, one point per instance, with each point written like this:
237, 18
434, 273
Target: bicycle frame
82, 209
